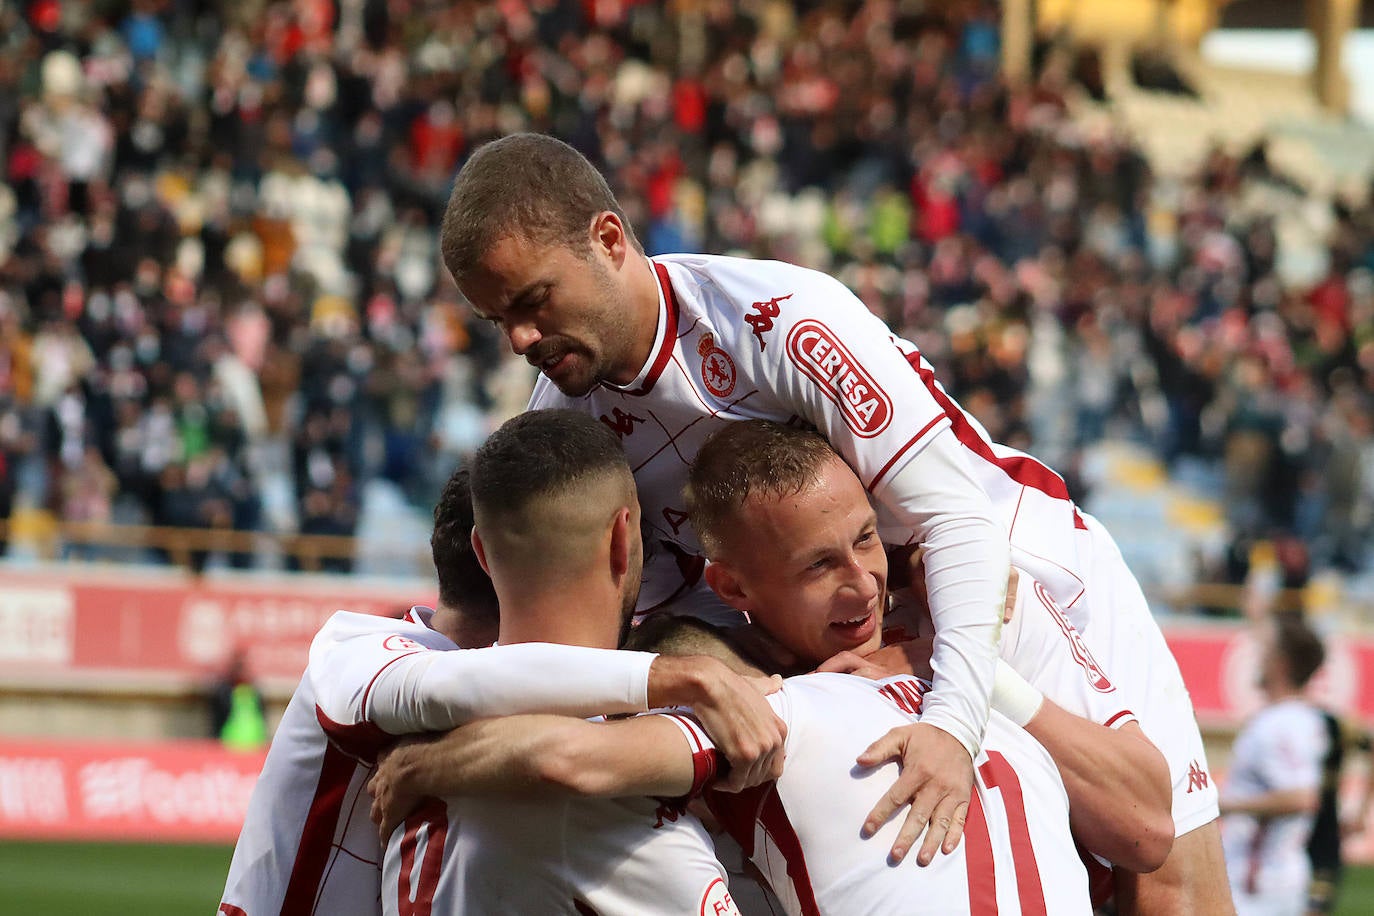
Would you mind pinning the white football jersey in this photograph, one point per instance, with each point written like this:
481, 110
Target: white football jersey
1280, 748
307, 844
740, 339
802, 831
594, 857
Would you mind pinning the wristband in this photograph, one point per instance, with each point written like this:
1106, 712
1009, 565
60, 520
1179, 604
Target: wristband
1013, 697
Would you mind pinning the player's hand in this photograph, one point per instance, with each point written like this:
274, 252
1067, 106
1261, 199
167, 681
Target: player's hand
936, 779
391, 786
885, 662
735, 714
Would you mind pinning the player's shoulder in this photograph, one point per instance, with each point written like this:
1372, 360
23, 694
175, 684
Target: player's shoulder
546, 396
739, 282
409, 633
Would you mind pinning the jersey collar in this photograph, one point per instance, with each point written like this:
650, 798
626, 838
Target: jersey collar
664, 339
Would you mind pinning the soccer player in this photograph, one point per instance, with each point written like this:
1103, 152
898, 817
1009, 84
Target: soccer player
663, 351
1330, 826
304, 847
802, 831
557, 528
1271, 794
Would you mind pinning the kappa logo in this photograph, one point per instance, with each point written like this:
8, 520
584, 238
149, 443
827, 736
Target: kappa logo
1097, 678
866, 408
717, 900
762, 320
717, 368
1197, 778
623, 424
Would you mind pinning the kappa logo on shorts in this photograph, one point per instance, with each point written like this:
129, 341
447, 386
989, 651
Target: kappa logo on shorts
717, 900
1198, 778
866, 408
717, 368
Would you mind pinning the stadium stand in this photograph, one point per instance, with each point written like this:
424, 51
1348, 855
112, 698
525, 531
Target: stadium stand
221, 307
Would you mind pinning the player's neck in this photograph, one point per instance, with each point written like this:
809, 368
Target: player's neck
574, 614
467, 631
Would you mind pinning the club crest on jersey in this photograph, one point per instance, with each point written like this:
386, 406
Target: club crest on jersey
717, 900
866, 408
398, 643
717, 368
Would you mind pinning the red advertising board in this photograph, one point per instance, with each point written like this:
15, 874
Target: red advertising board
62, 625
174, 791
1220, 664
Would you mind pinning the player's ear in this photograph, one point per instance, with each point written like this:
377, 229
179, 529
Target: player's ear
480, 551
609, 237
621, 545
727, 585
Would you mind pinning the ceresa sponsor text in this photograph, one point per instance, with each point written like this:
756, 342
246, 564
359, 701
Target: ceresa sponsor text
866, 408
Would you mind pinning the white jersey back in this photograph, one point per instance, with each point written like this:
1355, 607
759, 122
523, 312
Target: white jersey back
1017, 855
742, 339
307, 845
606, 857
1280, 748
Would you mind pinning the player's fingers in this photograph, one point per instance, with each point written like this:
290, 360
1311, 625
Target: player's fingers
935, 834
766, 685
845, 662
917, 819
956, 829
901, 794
885, 748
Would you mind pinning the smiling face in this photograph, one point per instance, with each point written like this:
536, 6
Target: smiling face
809, 567
565, 311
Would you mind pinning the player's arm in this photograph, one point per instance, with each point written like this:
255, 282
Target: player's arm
1272, 804
541, 755
399, 679
1120, 798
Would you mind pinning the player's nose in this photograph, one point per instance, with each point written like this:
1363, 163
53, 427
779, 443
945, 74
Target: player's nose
522, 338
861, 580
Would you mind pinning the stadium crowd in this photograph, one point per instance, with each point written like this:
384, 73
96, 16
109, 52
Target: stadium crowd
218, 245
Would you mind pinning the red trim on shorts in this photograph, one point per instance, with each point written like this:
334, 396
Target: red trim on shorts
1101, 879
902, 451
317, 836
1022, 469
228, 909
665, 350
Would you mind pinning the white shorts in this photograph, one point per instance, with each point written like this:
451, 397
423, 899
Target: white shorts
1116, 623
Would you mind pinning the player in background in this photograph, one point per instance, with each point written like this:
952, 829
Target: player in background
1331, 826
1271, 794
557, 528
665, 350
305, 847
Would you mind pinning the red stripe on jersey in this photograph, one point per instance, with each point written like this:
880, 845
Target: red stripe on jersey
317, 837
998, 774
665, 350
363, 741
982, 876
367, 691
228, 909
1023, 469
1118, 717
902, 451
738, 812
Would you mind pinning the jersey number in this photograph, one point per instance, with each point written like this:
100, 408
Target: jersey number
996, 773
426, 831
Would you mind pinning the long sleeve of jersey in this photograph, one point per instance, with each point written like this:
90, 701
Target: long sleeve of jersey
966, 564
399, 677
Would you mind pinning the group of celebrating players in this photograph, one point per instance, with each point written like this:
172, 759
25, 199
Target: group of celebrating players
731, 471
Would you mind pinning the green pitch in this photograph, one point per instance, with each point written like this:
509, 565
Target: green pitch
77, 879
